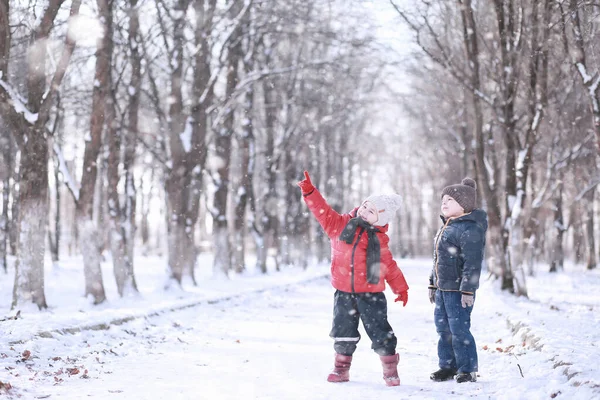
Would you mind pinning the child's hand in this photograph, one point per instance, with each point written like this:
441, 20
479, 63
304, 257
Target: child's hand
306, 185
432, 295
403, 297
467, 300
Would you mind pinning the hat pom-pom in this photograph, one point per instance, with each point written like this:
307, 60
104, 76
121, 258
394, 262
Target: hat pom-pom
469, 182
396, 200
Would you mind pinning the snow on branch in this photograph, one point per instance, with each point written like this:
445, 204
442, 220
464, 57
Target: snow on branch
18, 102
587, 78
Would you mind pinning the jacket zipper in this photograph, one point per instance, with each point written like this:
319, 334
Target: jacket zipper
362, 230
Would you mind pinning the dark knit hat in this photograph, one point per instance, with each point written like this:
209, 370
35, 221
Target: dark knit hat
464, 193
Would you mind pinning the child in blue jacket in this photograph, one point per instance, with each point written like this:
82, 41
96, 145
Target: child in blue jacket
454, 279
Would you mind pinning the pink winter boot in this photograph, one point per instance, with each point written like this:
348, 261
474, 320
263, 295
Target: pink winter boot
390, 369
341, 371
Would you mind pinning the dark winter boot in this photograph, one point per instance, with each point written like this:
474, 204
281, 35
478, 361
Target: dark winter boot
462, 377
390, 369
341, 371
443, 374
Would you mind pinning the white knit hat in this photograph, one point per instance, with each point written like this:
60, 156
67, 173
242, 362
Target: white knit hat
387, 205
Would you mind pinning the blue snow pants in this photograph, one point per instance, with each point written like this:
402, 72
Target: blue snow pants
456, 346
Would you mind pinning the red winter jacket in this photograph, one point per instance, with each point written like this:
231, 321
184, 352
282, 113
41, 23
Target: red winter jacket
349, 261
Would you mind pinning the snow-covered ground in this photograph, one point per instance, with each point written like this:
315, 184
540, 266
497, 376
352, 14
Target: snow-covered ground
266, 337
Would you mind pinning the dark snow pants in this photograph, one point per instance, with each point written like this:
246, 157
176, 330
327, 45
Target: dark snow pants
456, 345
371, 308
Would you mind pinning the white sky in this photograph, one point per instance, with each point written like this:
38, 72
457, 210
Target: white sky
266, 337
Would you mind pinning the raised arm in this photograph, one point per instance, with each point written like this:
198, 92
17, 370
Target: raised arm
331, 221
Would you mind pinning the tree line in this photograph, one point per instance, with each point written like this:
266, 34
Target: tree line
111, 111
204, 114
507, 91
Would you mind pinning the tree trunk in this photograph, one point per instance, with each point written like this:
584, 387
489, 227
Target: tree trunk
269, 210
146, 197
222, 248
245, 193
178, 180
188, 138
13, 226
123, 218
32, 223
135, 86
578, 234
91, 242
182, 251
296, 245
54, 238
8, 162
497, 257
119, 235
558, 256
531, 244
589, 230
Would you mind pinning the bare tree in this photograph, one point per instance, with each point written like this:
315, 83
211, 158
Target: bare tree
244, 198
223, 147
7, 168
589, 78
27, 119
123, 216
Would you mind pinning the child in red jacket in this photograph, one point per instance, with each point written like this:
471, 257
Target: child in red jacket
361, 262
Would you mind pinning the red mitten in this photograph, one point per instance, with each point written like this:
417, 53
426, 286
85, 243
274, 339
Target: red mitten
306, 185
403, 297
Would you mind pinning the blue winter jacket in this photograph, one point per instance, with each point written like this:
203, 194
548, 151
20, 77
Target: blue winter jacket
458, 252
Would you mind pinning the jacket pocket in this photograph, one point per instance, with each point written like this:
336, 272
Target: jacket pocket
458, 269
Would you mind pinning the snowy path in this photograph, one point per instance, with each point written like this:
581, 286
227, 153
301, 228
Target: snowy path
275, 345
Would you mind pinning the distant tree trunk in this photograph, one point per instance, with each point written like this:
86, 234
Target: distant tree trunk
578, 235
589, 229
54, 238
269, 223
180, 231
222, 249
52, 230
558, 256
538, 101
188, 138
134, 92
532, 245
245, 195
120, 217
119, 239
7, 159
247, 152
146, 197
296, 246
90, 241
99, 211
13, 226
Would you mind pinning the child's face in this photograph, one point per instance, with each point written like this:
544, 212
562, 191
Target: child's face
368, 212
450, 207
